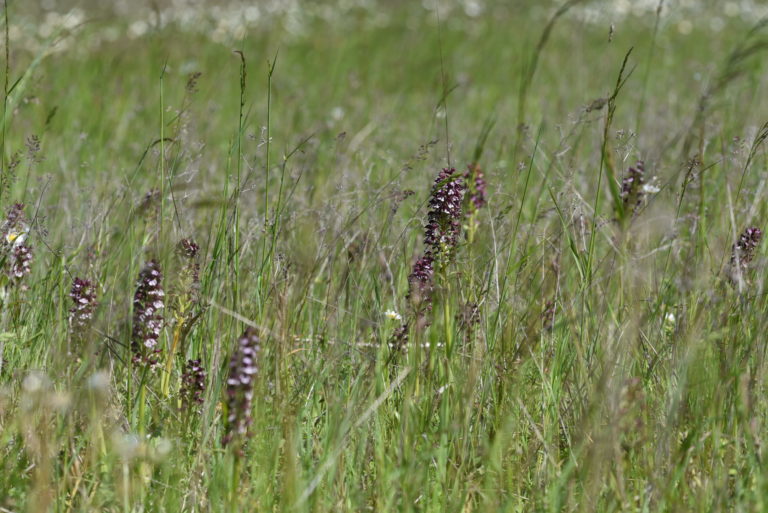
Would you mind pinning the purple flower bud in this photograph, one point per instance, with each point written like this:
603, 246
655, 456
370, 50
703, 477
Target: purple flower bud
632, 186
420, 279
243, 368
20, 262
188, 248
192, 384
475, 180
743, 250
399, 337
83, 295
14, 219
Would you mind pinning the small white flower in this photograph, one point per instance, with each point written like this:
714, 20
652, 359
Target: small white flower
99, 381
162, 448
34, 382
17, 237
473, 8
392, 315
670, 318
649, 188
337, 113
138, 28
127, 445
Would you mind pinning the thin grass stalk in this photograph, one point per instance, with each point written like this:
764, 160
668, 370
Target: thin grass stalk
234, 484
238, 185
529, 69
513, 241
265, 254
648, 67
165, 385
142, 403
444, 82
3, 173
606, 167
162, 158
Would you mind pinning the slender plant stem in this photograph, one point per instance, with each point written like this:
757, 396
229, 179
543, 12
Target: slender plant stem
3, 170
162, 157
238, 184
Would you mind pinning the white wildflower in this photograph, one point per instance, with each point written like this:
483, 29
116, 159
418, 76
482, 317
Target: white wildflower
16, 237
392, 315
337, 113
669, 323
650, 188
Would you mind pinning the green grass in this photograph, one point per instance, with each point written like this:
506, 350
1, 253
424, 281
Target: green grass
613, 365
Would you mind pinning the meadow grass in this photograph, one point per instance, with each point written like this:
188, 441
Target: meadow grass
592, 342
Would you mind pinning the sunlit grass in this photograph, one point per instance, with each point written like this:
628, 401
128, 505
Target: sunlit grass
591, 342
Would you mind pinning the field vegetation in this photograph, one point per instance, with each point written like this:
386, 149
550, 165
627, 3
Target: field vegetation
360, 255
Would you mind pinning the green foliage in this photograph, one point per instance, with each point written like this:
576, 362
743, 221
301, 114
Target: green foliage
579, 352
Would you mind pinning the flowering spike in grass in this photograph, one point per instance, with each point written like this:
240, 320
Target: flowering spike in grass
441, 232
192, 385
632, 190
476, 189
17, 253
148, 304
243, 368
742, 253
83, 295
